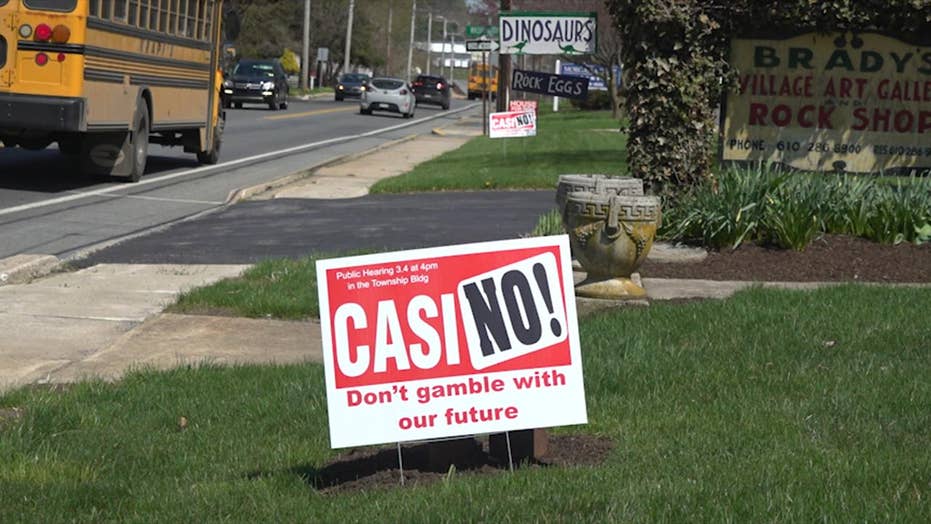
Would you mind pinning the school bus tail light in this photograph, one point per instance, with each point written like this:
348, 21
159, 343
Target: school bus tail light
41, 59
61, 34
25, 31
43, 33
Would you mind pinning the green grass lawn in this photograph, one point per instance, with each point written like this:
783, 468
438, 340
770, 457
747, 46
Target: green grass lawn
771, 406
566, 142
285, 289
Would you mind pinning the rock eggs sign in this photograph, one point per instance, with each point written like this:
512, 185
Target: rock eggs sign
442, 342
549, 84
858, 103
540, 33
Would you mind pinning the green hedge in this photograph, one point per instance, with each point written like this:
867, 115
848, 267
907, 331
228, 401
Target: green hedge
676, 70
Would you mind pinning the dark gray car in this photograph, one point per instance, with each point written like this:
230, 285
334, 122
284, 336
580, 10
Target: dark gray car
431, 90
351, 85
257, 82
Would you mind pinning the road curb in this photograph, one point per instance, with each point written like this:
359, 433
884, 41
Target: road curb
21, 269
248, 192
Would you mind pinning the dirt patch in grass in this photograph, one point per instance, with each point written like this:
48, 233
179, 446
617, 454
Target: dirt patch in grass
430, 463
9, 416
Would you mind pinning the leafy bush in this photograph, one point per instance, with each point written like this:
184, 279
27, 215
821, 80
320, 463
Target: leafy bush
596, 101
289, 62
792, 215
902, 210
789, 210
723, 212
549, 224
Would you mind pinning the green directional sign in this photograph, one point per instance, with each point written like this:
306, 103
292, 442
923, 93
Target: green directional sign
478, 31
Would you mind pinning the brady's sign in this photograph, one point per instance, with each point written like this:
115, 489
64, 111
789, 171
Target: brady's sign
450, 341
547, 33
858, 103
512, 124
549, 84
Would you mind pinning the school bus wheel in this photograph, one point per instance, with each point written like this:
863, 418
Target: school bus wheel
212, 156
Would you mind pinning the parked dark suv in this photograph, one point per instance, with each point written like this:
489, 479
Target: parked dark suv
431, 90
258, 82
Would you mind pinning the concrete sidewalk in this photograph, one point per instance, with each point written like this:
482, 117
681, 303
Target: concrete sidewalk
107, 319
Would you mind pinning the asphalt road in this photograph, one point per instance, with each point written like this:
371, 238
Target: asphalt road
46, 207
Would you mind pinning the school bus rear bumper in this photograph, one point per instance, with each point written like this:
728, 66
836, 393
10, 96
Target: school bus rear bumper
42, 113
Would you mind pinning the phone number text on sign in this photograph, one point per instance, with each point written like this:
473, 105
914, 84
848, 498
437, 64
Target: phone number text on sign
450, 341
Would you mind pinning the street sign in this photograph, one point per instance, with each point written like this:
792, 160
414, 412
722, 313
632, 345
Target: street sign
546, 33
592, 72
481, 45
550, 84
478, 31
323, 54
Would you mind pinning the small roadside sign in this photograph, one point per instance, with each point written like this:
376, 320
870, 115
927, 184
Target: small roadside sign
481, 45
549, 84
544, 33
512, 124
478, 31
523, 106
450, 341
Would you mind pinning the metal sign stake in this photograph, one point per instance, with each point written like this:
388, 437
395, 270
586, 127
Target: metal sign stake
401, 463
507, 437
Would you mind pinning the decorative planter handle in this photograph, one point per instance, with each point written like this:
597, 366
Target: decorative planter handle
611, 236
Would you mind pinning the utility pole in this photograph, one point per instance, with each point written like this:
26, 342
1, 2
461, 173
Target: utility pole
388, 46
305, 54
443, 55
504, 69
429, 37
352, 6
410, 47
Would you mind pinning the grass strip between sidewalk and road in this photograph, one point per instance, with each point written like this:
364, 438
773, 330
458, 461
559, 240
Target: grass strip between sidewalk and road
771, 406
566, 142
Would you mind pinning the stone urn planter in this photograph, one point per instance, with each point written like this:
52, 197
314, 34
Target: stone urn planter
594, 183
611, 235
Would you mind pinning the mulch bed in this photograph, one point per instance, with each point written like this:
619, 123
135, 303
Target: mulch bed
831, 258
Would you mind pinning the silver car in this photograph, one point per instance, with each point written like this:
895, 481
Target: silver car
388, 94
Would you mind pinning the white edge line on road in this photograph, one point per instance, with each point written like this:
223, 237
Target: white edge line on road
226, 165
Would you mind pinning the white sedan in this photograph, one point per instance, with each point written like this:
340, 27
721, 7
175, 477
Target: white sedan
388, 94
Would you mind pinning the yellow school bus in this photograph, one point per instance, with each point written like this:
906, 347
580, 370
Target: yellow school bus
104, 78
482, 78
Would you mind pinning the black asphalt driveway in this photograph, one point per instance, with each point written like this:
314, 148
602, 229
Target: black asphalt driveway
252, 231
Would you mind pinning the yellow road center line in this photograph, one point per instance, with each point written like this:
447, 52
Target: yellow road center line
311, 113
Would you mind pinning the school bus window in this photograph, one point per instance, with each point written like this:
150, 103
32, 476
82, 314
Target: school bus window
119, 10
153, 16
163, 17
3, 2
131, 14
191, 24
143, 14
208, 21
202, 20
106, 9
51, 5
173, 17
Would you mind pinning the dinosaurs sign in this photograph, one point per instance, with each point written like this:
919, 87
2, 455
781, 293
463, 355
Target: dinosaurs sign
543, 33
